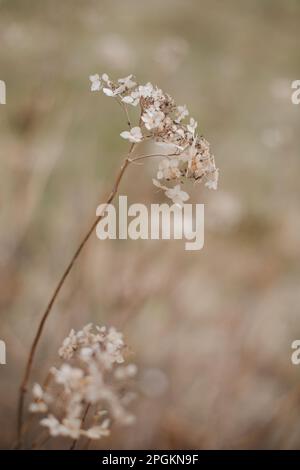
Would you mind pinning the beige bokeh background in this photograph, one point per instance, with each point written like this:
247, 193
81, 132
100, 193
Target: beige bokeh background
211, 331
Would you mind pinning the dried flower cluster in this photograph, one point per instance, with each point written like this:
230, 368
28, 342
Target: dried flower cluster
92, 377
162, 121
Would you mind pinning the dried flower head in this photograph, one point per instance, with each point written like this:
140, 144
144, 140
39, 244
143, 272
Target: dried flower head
162, 121
92, 377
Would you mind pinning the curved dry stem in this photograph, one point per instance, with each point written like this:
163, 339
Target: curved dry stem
73, 445
151, 155
28, 368
124, 108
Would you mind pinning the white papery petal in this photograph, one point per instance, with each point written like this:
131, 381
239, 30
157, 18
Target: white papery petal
108, 92
125, 135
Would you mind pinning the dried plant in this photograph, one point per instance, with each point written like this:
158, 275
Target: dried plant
91, 380
184, 155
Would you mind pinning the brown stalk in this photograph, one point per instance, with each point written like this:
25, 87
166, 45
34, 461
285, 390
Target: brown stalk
73, 445
28, 368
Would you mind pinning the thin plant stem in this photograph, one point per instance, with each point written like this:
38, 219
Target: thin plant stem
29, 363
150, 155
124, 107
87, 445
73, 445
41, 441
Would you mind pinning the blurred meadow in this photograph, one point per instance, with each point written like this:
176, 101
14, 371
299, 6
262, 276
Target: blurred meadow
210, 330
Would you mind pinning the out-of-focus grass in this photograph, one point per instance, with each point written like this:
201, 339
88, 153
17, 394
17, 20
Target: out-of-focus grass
213, 328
